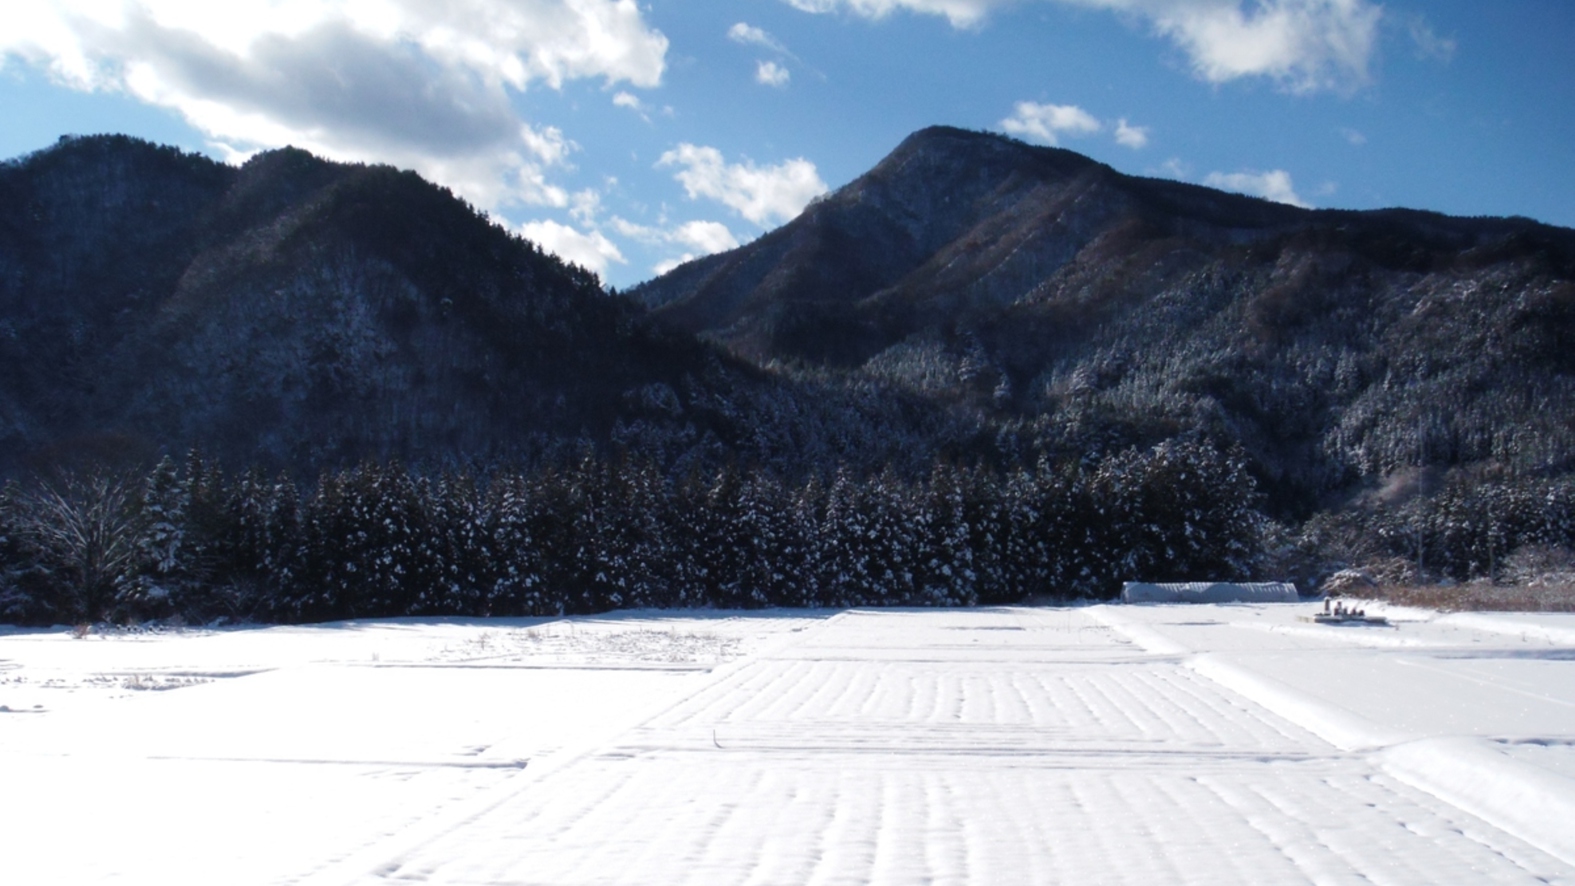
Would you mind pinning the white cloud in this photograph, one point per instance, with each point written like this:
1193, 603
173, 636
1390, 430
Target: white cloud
592, 251
706, 236
1044, 123
633, 231
409, 82
1353, 137
1429, 44
768, 73
761, 194
585, 206
625, 99
1173, 168
1134, 137
772, 74
1272, 185
961, 13
700, 238
548, 144
751, 35
1305, 45
666, 265
1047, 124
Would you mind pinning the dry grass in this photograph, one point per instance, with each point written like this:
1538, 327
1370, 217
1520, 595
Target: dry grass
1479, 597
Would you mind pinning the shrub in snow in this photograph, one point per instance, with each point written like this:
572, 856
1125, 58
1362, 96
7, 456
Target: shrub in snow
1539, 565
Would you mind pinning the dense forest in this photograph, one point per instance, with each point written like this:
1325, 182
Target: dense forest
591, 535
983, 372
192, 543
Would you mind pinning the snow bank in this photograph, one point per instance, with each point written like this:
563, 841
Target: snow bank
1142, 636
1209, 592
1497, 624
1337, 726
1532, 803
1372, 639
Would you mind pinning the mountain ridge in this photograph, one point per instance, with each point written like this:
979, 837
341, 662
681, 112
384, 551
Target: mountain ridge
1079, 308
971, 298
982, 370
295, 312
1186, 209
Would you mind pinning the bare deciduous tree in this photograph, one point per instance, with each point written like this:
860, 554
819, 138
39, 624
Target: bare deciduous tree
85, 532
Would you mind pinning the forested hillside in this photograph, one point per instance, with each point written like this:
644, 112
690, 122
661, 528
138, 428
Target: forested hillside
984, 371
1073, 309
304, 315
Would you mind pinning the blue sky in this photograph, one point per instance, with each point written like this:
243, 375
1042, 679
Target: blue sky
630, 136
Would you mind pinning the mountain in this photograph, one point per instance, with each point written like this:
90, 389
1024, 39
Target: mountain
970, 299
299, 314
1070, 308
980, 372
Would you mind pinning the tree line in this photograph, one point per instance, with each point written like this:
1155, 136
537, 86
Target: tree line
188, 541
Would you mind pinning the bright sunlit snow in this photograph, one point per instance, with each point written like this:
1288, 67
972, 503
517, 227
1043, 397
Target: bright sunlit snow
1107, 744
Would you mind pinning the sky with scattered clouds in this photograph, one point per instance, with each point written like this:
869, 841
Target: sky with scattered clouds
632, 136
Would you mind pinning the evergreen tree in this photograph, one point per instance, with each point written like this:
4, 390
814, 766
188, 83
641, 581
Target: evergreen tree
516, 569
848, 567
18, 603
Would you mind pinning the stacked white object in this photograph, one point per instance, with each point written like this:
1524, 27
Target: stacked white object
1209, 592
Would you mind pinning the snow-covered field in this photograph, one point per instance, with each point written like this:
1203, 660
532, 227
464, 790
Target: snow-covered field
1107, 744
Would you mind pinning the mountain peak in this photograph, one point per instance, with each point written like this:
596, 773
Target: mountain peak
941, 192
989, 147
1043, 289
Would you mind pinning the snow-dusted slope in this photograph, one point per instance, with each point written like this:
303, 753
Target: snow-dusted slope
1206, 744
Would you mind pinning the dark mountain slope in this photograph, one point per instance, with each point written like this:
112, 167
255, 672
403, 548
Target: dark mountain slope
298, 313
1075, 309
922, 201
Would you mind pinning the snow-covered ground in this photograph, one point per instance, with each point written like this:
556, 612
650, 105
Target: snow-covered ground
1107, 744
